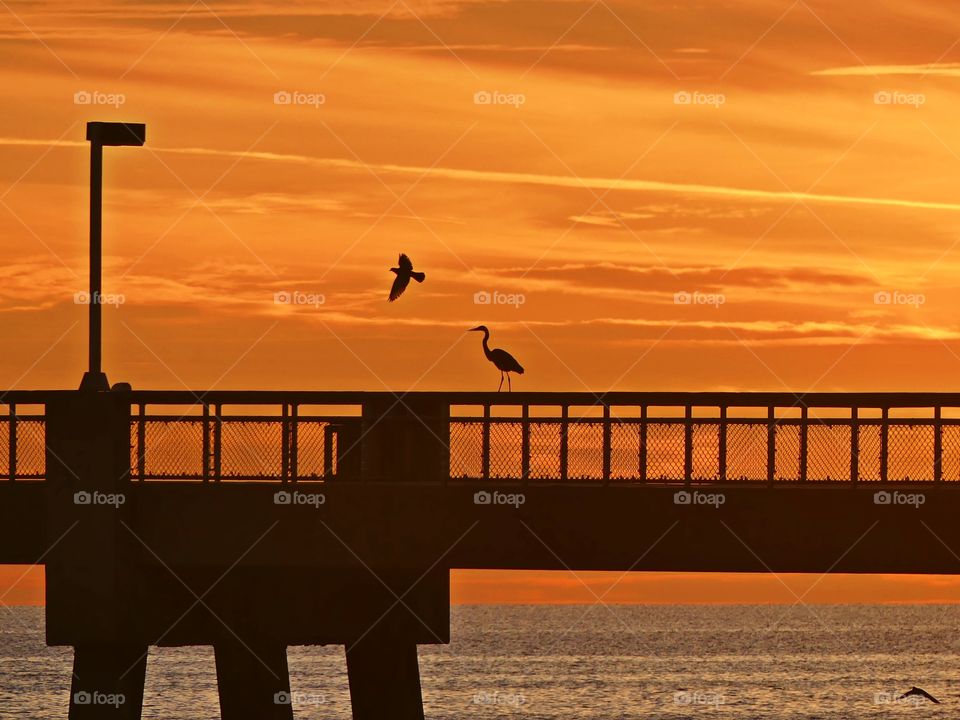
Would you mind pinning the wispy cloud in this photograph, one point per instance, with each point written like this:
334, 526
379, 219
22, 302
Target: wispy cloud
924, 70
540, 179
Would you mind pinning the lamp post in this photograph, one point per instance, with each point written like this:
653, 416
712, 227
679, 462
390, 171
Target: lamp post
100, 134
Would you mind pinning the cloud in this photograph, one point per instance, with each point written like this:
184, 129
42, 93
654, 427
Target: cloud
539, 179
923, 70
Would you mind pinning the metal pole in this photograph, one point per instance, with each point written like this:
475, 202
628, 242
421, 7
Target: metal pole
96, 243
94, 379
98, 135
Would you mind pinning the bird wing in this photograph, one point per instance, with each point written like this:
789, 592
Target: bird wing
919, 691
404, 262
399, 285
505, 361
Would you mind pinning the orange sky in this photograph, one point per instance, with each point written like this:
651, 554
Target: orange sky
789, 186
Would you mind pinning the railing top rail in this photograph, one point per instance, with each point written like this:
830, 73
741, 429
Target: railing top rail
660, 398
666, 399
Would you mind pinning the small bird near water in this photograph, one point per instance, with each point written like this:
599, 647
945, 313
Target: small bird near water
404, 271
919, 692
504, 361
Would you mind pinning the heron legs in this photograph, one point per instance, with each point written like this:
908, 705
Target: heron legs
500, 386
509, 384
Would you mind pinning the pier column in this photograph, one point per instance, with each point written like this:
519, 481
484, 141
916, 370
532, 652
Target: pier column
108, 682
253, 681
384, 679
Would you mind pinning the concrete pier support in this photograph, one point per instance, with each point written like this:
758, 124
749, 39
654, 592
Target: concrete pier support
107, 682
384, 680
253, 681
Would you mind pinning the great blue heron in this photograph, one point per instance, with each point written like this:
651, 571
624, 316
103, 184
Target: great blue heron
919, 692
404, 272
504, 361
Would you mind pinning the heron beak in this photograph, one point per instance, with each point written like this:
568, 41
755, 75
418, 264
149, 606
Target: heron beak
473, 329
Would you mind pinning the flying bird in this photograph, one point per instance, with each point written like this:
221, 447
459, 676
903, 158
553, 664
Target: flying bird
504, 361
404, 272
920, 692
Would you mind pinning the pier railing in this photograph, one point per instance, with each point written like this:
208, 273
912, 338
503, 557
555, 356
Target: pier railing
675, 438
711, 437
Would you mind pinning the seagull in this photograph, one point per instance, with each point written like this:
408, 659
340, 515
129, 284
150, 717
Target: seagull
504, 361
404, 272
920, 692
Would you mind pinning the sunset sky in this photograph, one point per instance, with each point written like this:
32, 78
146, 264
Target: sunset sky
790, 159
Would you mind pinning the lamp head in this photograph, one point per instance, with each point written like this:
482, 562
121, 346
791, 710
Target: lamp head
113, 133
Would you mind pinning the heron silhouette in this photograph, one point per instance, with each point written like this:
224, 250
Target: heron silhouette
919, 692
504, 361
404, 271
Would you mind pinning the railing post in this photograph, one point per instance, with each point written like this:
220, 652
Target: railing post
804, 426
207, 454
884, 442
564, 447
329, 433
217, 433
643, 443
12, 465
607, 451
687, 445
294, 423
937, 444
854, 445
284, 444
525, 443
771, 444
142, 441
485, 444
722, 444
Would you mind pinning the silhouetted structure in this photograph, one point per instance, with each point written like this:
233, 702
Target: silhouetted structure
101, 134
254, 531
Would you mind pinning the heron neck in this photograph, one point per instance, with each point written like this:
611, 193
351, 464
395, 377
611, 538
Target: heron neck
486, 347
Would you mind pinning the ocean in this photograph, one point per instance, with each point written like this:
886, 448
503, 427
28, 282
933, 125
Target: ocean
580, 663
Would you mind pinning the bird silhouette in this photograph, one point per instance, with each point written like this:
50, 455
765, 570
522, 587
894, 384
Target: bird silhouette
404, 272
504, 361
920, 692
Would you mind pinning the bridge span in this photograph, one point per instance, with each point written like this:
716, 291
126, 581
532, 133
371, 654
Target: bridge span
255, 520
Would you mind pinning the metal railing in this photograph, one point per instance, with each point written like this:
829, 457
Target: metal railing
676, 438
690, 438
208, 442
22, 444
